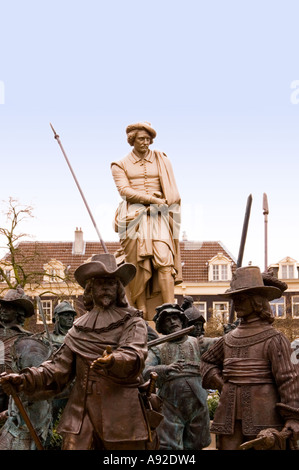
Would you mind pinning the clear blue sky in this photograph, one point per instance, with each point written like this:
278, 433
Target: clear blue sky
214, 79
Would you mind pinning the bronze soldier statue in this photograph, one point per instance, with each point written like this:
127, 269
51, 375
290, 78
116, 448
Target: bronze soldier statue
194, 316
15, 307
196, 319
148, 219
186, 416
104, 352
251, 366
64, 314
27, 351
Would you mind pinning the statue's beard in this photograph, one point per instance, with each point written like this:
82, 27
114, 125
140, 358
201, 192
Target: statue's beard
106, 301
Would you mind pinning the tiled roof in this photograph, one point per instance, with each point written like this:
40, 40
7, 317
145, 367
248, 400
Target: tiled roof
194, 256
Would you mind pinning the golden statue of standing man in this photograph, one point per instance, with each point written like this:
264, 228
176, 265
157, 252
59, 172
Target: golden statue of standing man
148, 219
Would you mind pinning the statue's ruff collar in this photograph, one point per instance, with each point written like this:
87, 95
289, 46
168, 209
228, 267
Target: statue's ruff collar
104, 319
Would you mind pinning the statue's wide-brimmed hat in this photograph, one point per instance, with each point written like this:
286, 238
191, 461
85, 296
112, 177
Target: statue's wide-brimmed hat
104, 265
142, 126
19, 298
249, 279
168, 309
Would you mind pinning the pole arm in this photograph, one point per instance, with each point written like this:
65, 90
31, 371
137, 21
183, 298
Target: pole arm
56, 136
25, 417
242, 246
244, 231
42, 314
170, 337
266, 212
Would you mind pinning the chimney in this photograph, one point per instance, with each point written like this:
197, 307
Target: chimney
78, 245
184, 237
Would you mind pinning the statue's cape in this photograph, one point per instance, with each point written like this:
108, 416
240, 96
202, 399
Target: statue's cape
167, 179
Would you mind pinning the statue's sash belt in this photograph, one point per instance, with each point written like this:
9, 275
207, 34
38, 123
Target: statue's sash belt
247, 371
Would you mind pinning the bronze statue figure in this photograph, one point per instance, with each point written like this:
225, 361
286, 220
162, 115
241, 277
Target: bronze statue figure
184, 407
27, 351
104, 352
64, 314
148, 219
251, 366
15, 307
196, 319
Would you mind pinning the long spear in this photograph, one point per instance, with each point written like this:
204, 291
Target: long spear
170, 337
25, 417
42, 314
56, 136
242, 246
266, 212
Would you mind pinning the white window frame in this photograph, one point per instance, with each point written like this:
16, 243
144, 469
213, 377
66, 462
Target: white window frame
222, 272
54, 271
203, 310
47, 306
293, 304
221, 314
287, 264
275, 304
220, 263
9, 272
287, 268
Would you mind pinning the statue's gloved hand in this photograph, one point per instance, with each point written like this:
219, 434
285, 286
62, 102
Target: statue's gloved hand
105, 361
175, 367
8, 380
216, 382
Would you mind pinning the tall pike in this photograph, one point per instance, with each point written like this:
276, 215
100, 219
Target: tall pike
56, 136
242, 246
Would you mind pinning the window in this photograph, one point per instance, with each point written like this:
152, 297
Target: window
7, 273
295, 306
278, 308
54, 271
221, 310
287, 271
215, 268
202, 307
48, 312
220, 272
220, 268
287, 268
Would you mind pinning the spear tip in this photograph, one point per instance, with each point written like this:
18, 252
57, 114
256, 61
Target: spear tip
265, 204
55, 134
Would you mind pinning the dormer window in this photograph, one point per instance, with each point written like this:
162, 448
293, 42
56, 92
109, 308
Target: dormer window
220, 268
287, 269
220, 272
7, 274
54, 271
